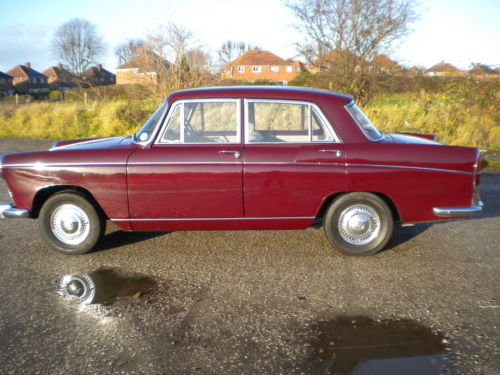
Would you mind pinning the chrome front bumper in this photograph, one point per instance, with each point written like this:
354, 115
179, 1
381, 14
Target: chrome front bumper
8, 211
474, 210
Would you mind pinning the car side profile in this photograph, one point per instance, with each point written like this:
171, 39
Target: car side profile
237, 158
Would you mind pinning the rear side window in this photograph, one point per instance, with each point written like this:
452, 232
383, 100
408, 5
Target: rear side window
364, 122
285, 122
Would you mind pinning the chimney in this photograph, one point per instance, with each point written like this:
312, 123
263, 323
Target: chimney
59, 66
99, 66
27, 65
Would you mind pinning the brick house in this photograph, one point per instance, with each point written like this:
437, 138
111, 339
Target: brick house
483, 71
443, 70
259, 65
98, 76
60, 78
142, 70
382, 64
27, 80
6, 85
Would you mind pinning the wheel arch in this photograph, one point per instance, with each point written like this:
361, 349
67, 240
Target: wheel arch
45, 193
329, 199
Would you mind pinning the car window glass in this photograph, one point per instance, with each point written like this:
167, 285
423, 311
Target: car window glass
364, 123
173, 133
277, 122
207, 122
318, 128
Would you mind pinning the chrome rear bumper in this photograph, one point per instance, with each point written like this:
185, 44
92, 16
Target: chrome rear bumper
8, 211
474, 210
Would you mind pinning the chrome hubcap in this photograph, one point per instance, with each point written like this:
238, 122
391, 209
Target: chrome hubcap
70, 224
359, 224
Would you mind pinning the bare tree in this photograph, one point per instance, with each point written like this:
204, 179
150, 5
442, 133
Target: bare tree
229, 50
172, 60
129, 50
343, 35
78, 44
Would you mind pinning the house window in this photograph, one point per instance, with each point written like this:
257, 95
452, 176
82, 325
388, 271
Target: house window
289, 69
2, 81
241, 69
275, 69
256, 69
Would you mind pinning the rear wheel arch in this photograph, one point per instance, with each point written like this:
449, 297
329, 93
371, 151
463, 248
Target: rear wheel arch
328, 201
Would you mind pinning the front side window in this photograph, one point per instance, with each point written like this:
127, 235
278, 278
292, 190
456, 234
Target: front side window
288, 122
203, 122
364, 122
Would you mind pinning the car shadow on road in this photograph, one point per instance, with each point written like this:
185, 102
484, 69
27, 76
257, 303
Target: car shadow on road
404, 234
120, 238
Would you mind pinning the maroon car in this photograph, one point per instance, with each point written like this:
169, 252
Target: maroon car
245, 158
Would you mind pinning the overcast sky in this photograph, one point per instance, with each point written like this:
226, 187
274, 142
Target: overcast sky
456, 31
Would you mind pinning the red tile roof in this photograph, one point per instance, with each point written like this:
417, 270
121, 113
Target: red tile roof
257, 57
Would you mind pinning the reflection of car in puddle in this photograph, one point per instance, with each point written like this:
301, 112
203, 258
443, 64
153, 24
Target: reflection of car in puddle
104, 286
360, 345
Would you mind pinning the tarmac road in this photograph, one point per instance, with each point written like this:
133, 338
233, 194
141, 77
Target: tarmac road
255, 302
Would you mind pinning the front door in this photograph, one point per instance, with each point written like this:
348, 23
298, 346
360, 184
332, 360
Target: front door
193, 172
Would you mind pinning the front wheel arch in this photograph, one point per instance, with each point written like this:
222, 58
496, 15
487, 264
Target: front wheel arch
42, 195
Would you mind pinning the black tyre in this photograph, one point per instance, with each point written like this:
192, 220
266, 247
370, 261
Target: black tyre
70, 224
358, 224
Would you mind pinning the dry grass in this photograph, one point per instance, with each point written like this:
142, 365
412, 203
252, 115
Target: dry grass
455, 119
460, 116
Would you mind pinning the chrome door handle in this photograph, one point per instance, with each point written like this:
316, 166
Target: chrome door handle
236, 154
337, 153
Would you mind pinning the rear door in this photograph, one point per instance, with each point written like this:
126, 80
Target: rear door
293, 159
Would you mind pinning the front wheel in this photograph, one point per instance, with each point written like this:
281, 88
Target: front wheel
70, 224
358, 223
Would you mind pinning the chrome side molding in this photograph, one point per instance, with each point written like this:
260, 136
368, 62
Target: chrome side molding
473, 210
8, 211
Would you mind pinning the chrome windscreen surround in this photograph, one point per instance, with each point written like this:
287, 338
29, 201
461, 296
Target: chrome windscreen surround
1, 164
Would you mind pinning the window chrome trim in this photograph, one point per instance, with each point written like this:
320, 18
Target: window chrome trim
219, 218
211, 100
310, 105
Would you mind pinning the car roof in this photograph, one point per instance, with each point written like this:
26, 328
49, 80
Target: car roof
263, 92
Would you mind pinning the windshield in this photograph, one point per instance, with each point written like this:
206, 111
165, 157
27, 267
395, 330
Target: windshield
147, 130
364, 123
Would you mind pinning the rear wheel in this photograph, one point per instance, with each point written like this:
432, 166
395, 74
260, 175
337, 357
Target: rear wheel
70, 224
358, 223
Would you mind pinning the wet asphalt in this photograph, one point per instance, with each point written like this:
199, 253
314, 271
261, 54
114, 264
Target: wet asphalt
255, 302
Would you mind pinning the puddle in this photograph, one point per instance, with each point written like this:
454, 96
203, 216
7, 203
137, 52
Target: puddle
361, 345
104, 286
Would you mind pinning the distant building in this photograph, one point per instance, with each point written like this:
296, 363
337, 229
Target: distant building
6, 85
98, 76
27, 80
443, 70
483, 71
259, 65
60, 78
383, 65
142, 70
